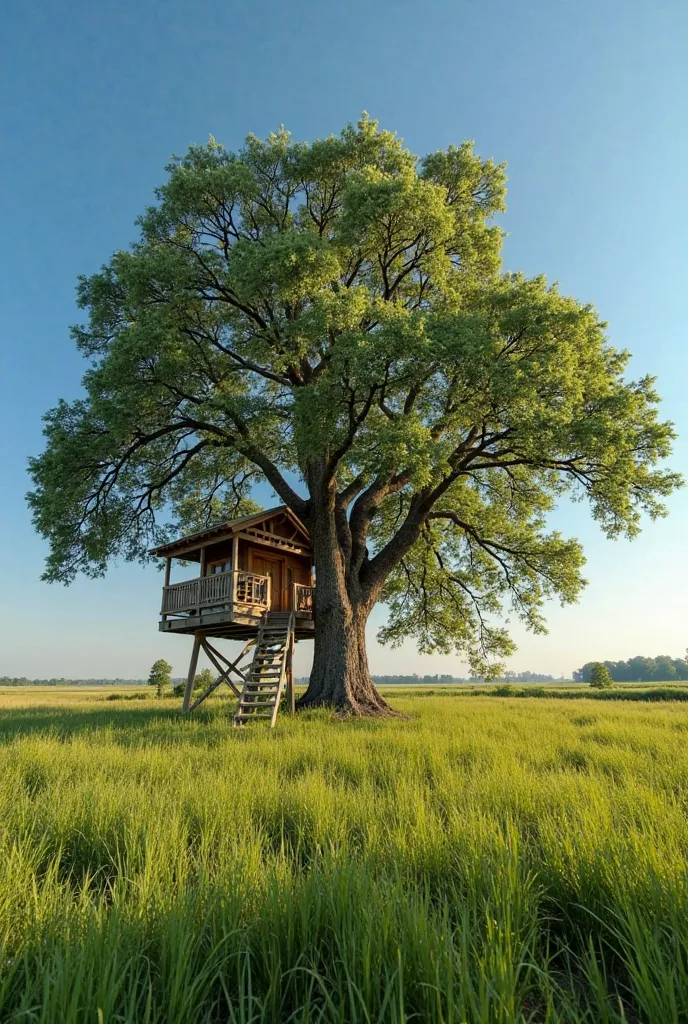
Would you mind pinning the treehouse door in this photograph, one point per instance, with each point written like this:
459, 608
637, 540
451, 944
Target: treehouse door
264, 565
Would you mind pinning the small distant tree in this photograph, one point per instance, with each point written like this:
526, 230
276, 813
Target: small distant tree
160, 676
600, 677
204, 679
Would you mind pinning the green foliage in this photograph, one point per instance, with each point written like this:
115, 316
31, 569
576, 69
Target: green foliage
599, 676
504, 690
160, 676
335, 313
205, 678
486, 861
661, 669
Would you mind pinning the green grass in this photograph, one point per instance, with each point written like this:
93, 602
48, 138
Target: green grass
481, 860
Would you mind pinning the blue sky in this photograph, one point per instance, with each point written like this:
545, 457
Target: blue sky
585, 101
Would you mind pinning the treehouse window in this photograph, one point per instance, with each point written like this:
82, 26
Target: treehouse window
216, 567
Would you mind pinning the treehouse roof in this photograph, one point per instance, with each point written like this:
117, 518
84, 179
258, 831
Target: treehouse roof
251, 523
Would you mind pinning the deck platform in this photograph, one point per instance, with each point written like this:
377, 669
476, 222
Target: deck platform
231, 604
231, 624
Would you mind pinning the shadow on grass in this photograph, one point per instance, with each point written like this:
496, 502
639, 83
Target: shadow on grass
129, 726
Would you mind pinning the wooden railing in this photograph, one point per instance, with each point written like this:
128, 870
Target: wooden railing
302, 598
252, 589
222, 588
180, 597
215, 589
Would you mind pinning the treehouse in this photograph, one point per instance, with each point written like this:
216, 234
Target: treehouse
254, 583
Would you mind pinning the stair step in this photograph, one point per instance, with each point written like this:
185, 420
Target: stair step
264, 682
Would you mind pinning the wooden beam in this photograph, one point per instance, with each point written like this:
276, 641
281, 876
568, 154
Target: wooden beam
193, 664
187, 549
203, 554
273, 541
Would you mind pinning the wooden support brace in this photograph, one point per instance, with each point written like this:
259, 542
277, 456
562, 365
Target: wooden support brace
206, 693
225, 670
232, 666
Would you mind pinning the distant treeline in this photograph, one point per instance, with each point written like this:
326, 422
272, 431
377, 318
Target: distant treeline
523, 677
22, 681
416, 680
404, 680
661, 669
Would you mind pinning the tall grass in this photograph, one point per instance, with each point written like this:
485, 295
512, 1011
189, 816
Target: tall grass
478, 861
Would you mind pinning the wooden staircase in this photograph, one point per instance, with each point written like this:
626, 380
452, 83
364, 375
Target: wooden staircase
267, 677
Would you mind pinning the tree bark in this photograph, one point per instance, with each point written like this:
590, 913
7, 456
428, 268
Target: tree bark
340, 677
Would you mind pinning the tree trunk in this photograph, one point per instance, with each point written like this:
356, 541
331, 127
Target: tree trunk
340, 677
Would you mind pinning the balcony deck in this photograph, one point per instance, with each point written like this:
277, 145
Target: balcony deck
231, 604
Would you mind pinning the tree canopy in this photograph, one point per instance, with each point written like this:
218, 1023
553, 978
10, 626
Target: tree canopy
160, 675
599, 676
332, 318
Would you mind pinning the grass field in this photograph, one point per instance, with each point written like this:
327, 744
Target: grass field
480, 860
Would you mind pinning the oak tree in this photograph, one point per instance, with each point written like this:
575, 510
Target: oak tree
332, 318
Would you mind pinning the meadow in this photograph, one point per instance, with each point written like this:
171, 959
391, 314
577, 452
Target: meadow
479, 860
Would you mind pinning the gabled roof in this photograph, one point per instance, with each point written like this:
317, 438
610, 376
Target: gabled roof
230, 527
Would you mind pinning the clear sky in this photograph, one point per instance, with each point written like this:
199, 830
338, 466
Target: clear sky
587, 103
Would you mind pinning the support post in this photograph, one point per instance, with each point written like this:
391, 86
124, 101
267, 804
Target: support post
202, 572
235, 570
168, 567
188, 689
